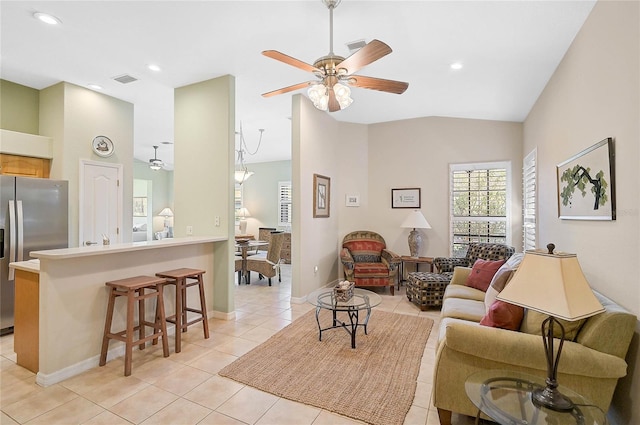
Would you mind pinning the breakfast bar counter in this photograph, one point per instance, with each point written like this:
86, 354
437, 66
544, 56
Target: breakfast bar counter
72, 296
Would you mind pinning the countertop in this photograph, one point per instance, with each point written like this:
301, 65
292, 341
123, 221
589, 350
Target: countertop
84, 251
32, 266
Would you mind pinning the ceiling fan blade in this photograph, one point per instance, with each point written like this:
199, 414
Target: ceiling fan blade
274, 54
380, 84
371, 52
333, 102
287, 89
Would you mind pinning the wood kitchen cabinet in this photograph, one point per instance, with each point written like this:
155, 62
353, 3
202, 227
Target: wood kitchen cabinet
24, 166
27, 327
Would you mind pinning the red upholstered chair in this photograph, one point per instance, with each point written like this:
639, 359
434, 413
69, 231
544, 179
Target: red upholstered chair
367, 262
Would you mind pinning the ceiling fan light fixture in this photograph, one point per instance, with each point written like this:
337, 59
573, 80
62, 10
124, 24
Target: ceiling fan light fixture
155, 163
343, 95
319, 95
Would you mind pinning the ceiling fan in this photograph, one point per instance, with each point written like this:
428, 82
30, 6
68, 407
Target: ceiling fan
155, 163
336, 73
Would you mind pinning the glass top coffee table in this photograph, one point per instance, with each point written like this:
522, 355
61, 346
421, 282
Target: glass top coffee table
362, 300
505, 396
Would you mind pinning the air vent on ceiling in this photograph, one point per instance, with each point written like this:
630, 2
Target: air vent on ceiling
125, 79
354, 46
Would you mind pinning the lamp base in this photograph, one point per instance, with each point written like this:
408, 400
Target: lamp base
243, 227
415, 243
551, 398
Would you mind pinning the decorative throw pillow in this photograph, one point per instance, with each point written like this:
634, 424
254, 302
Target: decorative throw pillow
533, 321
503, 315
482, 272
501, 278
499, 281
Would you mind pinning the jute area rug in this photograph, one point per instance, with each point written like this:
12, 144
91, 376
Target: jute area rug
374, 383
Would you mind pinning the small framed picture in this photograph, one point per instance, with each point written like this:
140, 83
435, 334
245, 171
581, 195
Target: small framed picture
405, 198
321, 195
140, 207
352, 200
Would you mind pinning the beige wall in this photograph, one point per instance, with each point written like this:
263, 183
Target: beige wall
315, 142
204, 115
594, 94
417, 153
260, 193
73, 116
18, 107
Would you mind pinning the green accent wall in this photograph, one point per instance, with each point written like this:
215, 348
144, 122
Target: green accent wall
19, 108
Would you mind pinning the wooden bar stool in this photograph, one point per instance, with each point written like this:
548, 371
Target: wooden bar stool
134, 288
180, 278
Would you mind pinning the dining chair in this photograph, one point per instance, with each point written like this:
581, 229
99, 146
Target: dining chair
268, 266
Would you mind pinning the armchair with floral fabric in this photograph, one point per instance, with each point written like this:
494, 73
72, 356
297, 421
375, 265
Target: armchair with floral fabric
367, 262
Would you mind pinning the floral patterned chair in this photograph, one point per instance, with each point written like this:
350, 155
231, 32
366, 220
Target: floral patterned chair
367, 262
427, 289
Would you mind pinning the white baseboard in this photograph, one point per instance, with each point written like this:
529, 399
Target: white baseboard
222, 315
45, 380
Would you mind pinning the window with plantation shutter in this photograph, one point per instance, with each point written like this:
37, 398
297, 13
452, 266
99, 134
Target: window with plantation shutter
479, 204
529, 200
284, 203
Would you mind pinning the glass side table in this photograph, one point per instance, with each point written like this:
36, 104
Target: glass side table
362, 300
505, 396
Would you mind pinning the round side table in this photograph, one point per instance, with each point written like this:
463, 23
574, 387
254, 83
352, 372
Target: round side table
505, 396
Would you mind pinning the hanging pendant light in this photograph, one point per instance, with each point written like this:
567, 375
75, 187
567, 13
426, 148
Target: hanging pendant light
155, 163
242, 173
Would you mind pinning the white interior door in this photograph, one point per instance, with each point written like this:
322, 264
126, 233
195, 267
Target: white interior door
101, 201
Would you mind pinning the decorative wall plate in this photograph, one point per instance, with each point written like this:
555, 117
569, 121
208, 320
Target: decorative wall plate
102, 146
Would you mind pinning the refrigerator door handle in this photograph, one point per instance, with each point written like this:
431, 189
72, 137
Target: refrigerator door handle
20, 231
12, 238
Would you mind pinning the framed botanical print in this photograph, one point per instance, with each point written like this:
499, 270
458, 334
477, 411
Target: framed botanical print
586, 184
321, 196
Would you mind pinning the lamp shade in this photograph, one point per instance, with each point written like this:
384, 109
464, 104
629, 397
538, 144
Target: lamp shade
243, 212
415, 220
240, 176
166, 212
552, 284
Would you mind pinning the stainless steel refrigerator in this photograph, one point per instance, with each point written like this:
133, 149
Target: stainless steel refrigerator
33, 217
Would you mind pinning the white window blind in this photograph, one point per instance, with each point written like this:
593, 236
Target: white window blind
529, 200
479, 204
237, 201
284, 203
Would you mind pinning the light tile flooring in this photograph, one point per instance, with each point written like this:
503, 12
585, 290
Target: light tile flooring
185, 387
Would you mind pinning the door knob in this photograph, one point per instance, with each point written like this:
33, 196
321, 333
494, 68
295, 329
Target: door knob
87, 243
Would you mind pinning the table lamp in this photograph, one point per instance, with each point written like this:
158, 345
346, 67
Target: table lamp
243, 213
167, 214
552, 284
415, 220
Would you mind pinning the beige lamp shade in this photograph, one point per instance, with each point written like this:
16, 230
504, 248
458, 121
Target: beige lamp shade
243, 212
166, 212
415, 220
552, 284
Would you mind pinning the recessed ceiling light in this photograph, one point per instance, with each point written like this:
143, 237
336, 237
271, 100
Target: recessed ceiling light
46, 18
456, 65
94, 86
154, 67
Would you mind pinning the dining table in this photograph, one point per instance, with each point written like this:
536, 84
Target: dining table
244, 247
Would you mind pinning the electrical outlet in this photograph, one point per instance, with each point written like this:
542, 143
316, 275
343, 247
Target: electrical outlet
189, 230
217, 221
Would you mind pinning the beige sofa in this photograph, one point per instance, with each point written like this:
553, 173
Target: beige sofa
590, 366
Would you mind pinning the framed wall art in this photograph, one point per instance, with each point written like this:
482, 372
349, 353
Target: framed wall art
352, 200
321, 195
405, 198
140, 207
586, 184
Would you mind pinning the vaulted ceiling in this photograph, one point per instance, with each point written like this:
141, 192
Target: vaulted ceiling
508, 49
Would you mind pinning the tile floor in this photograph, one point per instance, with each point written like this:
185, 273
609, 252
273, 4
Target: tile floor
185, 388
